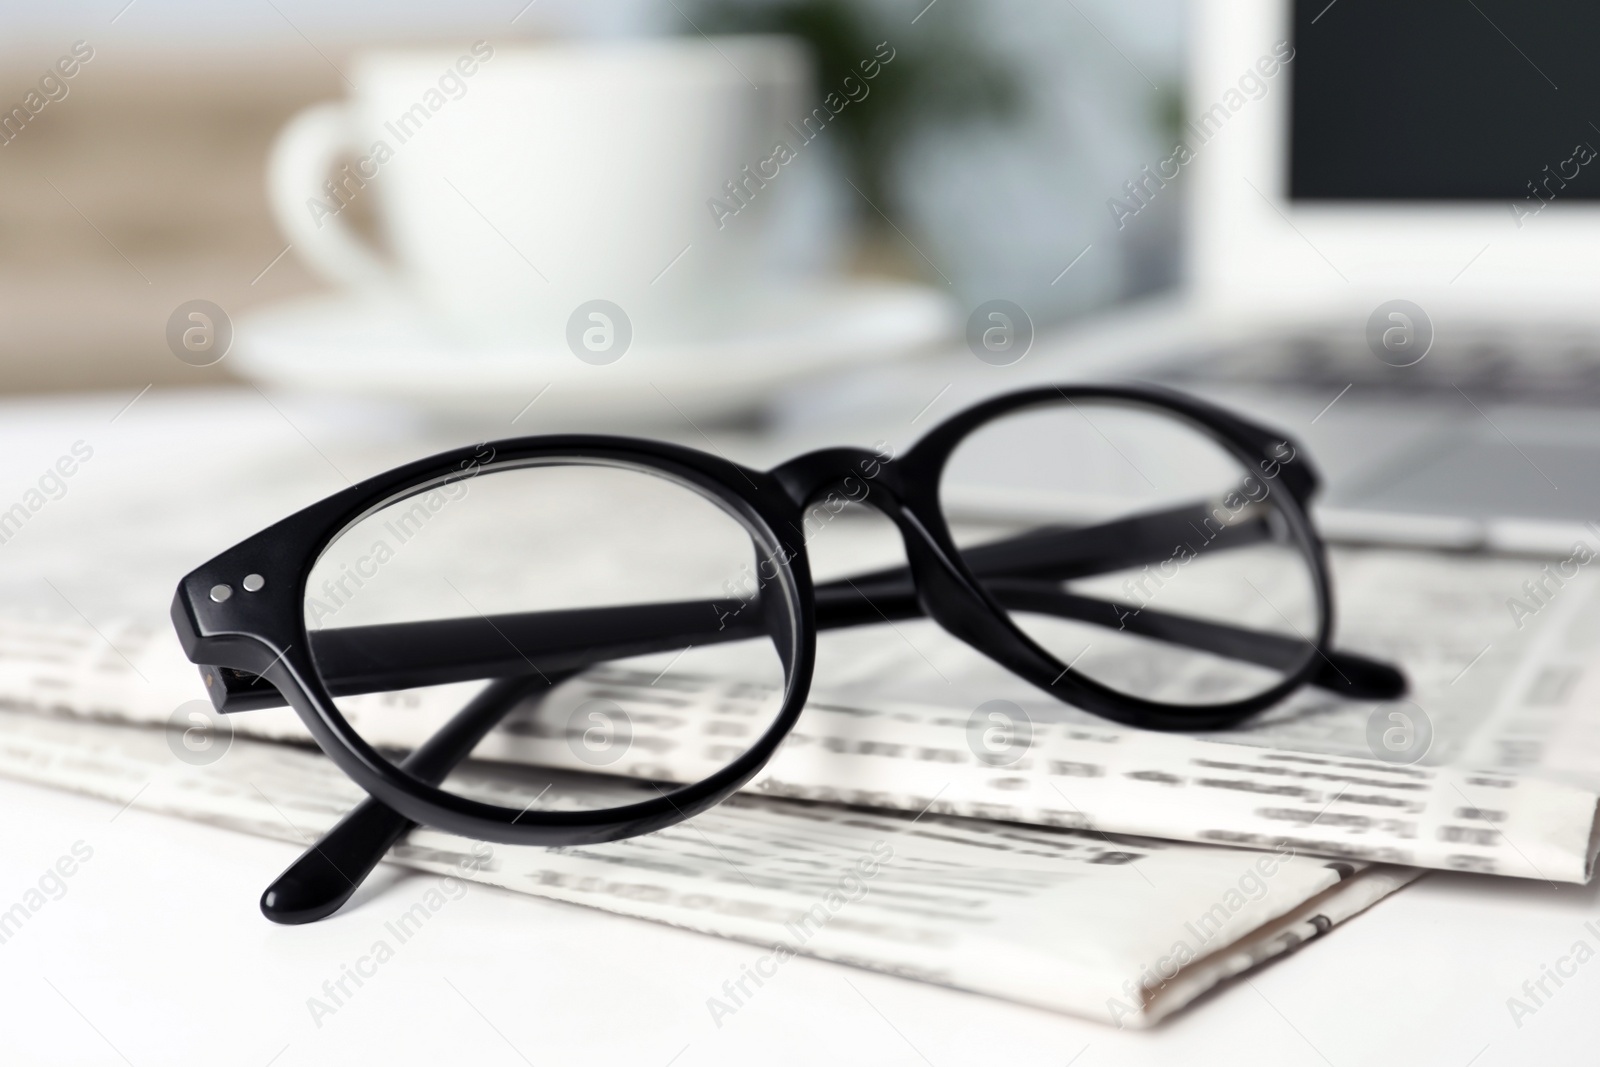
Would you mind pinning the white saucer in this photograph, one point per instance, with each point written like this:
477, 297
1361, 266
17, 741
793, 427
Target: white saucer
348, 344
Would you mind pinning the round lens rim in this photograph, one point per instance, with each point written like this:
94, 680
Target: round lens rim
1246, 442
751, 504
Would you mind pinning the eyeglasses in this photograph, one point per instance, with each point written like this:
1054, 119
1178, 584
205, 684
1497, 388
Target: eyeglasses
1137, 553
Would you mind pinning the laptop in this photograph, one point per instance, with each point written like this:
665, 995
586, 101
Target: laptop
1395, 256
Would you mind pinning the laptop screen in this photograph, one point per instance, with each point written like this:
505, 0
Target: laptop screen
1445, 100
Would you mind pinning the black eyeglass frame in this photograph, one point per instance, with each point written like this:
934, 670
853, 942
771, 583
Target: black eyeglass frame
264, 632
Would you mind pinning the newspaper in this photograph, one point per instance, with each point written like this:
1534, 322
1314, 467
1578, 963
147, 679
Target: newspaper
1119, 929
1015, 878
1507, 783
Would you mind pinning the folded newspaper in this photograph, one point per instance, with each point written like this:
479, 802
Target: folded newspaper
1119, 929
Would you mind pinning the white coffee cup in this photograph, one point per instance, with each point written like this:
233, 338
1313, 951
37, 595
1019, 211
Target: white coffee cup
515, 184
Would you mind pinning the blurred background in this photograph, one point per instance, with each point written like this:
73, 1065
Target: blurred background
979, 167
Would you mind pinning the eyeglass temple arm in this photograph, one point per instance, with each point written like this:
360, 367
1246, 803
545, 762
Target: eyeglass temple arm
429, 647
1062, 553
1054, 555
1345, 673
406, 655
329, 872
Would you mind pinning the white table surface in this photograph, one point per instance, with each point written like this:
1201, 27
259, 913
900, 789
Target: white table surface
157, 955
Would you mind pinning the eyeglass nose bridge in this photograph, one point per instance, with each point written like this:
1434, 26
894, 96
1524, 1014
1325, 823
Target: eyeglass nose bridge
947, 592
851, 474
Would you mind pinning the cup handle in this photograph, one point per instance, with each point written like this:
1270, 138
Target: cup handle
298, 169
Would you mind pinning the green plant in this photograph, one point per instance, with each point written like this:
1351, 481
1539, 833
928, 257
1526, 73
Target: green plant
940, 75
